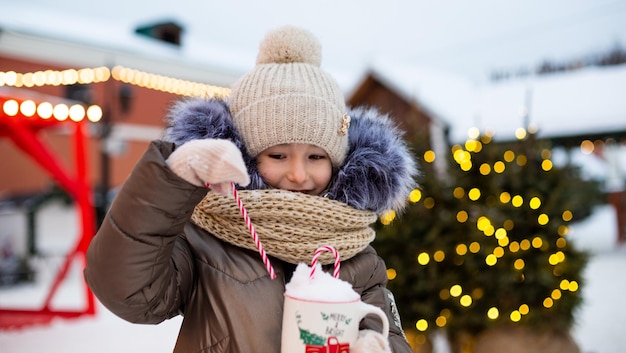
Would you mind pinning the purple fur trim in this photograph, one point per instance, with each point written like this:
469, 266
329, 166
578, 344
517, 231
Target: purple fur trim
379, 171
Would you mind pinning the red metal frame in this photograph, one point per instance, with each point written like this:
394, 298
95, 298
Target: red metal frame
22, 130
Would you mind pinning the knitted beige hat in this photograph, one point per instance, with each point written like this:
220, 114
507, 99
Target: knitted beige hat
288, 98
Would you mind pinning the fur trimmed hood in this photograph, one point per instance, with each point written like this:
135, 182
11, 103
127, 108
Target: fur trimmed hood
377, 175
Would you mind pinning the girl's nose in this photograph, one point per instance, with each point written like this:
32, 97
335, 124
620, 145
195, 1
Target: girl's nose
297, 172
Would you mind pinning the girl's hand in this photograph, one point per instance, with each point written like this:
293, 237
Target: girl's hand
210, 161
370, 341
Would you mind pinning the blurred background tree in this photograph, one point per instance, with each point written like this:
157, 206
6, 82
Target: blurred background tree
483, 242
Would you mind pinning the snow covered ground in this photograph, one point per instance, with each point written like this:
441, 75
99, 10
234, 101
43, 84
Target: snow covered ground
600, 328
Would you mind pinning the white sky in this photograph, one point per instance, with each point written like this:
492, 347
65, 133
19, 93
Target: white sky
467, 37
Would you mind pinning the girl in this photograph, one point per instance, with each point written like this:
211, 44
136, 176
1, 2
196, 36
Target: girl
310, 173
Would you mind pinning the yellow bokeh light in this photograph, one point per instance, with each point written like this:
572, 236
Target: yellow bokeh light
493, 313
521, 160
563, 230
474, 194
520, 133
483, 223
470, 145
587, 147
564, 285
499, 167
485, 169
421, 325
441, 321
498, 252
466, 300
503, 241
429, 202
458, 192
561, 243
462, 216
391, 274
537, 242
524, 244
478, 293
509, 156
429, 156
534, 203
556, 294
415, 195
543, 219
439, 255
546, 165
553, 260
548, 303
567, 215
500, 233
505, 197
519, 264
466, 165
491, 259
515, 316
514, 246
456, 290
461, 249
517, 201
573, 286
388, 217
461, 155
524, 309
474, 247
423, 258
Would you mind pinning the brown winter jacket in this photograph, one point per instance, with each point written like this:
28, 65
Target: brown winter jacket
149, 263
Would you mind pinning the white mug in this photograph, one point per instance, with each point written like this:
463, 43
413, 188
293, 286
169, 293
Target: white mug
311, 326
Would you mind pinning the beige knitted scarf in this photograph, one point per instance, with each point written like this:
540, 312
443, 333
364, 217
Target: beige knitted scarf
290, 225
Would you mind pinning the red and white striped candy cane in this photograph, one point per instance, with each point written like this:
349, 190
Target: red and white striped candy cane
255, 236
317, 254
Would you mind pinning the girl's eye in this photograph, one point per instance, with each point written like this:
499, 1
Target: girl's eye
276, 156
317, 157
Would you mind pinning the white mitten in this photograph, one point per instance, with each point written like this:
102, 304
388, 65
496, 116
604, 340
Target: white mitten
216, 162
370, 341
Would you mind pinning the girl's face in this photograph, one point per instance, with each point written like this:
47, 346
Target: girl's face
296, 167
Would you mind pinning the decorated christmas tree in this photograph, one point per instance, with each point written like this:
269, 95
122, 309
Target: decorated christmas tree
484, 240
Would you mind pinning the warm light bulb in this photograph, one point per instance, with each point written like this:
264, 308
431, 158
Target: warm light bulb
44, 110
10, 107
94, 113
28, 108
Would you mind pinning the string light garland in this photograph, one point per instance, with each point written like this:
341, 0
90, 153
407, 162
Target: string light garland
27, 109
104, 74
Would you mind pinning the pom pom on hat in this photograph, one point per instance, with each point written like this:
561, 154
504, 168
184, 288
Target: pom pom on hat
288, 98
290, 45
